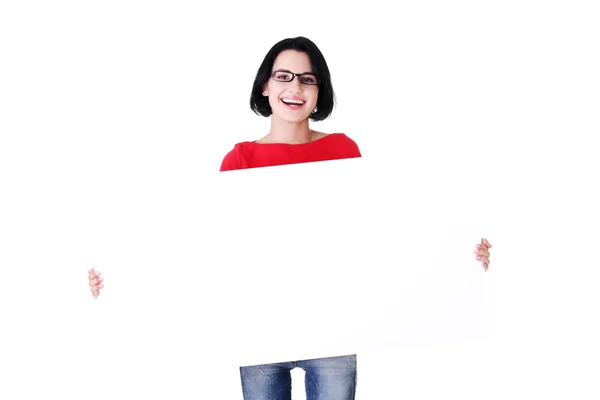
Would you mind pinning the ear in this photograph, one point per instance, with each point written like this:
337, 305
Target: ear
265, 91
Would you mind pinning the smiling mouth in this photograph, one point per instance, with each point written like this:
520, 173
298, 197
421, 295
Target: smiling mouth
292, 103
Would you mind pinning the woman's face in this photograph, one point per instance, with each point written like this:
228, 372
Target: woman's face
294, 91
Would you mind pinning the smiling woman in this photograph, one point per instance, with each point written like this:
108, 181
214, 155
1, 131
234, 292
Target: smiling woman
292, 86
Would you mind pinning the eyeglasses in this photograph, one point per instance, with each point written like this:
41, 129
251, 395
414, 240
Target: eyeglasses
287, 76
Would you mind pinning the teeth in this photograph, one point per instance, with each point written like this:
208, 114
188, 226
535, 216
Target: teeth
293, 101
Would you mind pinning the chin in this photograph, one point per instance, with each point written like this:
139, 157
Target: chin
292, 118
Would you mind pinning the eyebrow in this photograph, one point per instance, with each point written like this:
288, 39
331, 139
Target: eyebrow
287, 70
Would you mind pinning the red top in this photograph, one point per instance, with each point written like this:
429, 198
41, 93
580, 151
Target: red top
334, 146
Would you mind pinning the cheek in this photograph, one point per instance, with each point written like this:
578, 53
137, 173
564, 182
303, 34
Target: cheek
273, 95
273, 100
314, 97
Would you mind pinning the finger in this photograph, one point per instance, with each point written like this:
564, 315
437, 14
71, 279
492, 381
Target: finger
95, 294
93, 282
91, 271
485, 242
485, 266
483, 259
100, 286
482, 253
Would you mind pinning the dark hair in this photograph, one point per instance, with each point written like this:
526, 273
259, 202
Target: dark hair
326, 99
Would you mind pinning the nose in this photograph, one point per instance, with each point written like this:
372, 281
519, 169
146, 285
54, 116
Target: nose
296, 84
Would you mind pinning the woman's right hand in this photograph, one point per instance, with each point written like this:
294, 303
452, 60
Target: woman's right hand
483, 253
95, 282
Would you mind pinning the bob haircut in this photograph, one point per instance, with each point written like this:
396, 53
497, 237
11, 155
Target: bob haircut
326, 99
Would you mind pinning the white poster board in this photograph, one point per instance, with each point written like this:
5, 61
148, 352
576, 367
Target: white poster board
249, 267
309, 261
243, 268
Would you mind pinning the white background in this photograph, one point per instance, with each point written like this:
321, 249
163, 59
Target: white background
115, 116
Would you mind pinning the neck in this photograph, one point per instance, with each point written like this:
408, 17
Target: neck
288, 132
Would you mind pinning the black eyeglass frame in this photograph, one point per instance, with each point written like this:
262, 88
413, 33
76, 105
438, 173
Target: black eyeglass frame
318, 81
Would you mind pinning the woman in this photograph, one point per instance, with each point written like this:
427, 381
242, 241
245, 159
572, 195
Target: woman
292, 86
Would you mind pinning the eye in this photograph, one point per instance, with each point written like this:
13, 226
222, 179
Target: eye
309, 79
282, 76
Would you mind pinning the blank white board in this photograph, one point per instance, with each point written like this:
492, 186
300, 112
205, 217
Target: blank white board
242, 268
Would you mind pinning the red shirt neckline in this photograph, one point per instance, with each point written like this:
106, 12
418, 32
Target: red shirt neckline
294, 144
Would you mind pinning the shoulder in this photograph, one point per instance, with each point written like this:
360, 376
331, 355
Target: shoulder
233, 159
342, 137
345, 143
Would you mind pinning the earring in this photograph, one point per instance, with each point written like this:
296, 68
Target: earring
315, 110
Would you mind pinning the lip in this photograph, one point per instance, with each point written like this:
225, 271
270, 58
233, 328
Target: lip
293, 98
293, 107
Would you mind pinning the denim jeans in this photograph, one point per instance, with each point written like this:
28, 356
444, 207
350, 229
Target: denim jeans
332, 378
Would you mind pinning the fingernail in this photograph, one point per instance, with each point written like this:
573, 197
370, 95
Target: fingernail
100, 286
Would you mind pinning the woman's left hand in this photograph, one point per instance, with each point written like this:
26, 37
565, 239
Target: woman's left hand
95, 282
482, 253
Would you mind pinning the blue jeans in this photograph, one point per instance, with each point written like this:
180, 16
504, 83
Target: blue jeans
332, 378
